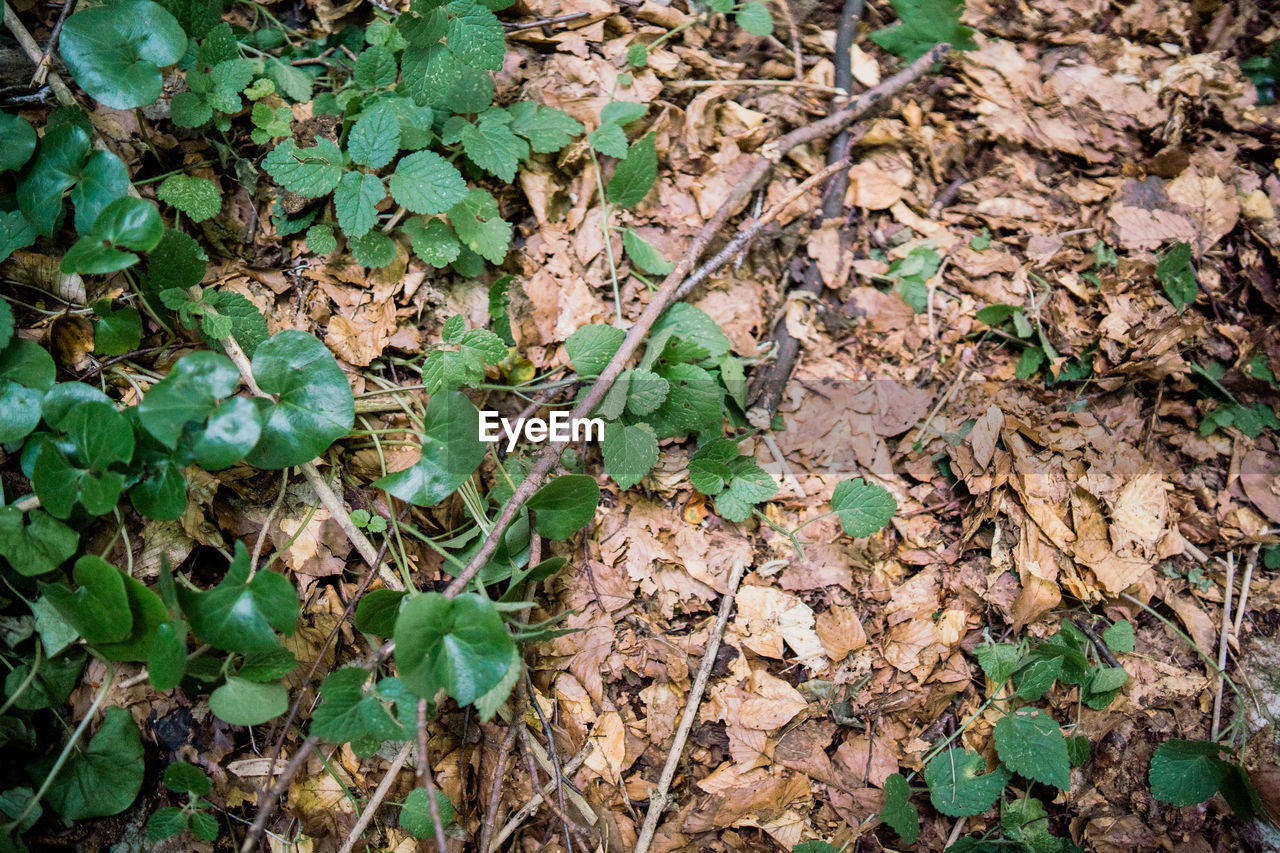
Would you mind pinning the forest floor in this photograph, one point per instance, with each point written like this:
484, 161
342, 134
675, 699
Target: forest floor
1050, 460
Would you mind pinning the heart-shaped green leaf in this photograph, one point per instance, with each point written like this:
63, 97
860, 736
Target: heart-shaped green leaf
248, 703
103, 778
99, 609
55, 170
415, 814
19, 142
314, 406
193, 387
116, 51
459, 646
898, 811
564, 506
864, 508
451, 452
37, 547
234, 429
167, 662
148, 613
958, 785
242, 614
377, 611
352, 710
1030, 742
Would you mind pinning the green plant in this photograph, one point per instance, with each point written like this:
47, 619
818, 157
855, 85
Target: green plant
1263, 71
923, 24
1178, 276
193, 816
1188, 772
1029, 743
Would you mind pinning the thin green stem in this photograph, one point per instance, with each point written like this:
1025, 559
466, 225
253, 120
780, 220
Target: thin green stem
26, 682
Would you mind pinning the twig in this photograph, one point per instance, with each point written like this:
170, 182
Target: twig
569, 824
1244, 591
1222, 643
517, 26
536, 800
36, 54
796, 56
266, 524
42, 67
427, 780
267, 806
768, 385
1098, 643
776, 84
770, 155
500, 772
659, 798
955, 832
551, 751
379, 794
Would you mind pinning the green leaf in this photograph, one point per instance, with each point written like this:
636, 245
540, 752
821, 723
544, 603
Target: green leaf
116, 52
246, 322
314, 405
694, 326
1186, 772
183, 778
233, 430
375, 137
1119, 637
309, 172
99, 609
1107, 679
475, 35
415, 814
6, 321
19, 410
754, 17
460, 646
451, 452
638, 55
634, 176
622, 113
1178, 276
268, 665
321, 240
242, 614
433, 242
375, 68
166, 822
646, 391
1030, 742
148, 613
591, 347
167, 662
203, 826
118, 332
248, 703
356, 202
187, 109
565, 505
130, 222
491, 145
195, 384
609, 139
37, 547
177, 261
56, 169
898, 811
425, 182
630, 451
104, 778
547, 128
377, 611
1078, 750
958, 785
19, 142
104, 179
924, 23
1029, 362
864, 508
998, 660
198, 198
645, 255
694, 402
1038, 676
352, 710
1025, 820
478, 223
293, 82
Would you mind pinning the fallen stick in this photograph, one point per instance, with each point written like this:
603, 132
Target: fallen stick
379, 794
659, 798
770, 155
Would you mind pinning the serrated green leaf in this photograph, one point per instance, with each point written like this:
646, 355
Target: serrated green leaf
474, 34
375, 68
694, 326
352, 710
433, 242
1030, 742
480, 226
630, 451
373, 249
242, 319
998, 660
196, 197
694, 401
754, 17
356, 202
959, 785
547, 128
1025, 820
864, 508
166, 822
424, 182
590, 347
292, 82
609, 139
375, 137
187, 109
1186, 772
309, 172
898, 812
493, 146
644, 254
116, 52
634, 176
1119, 637
314, 405
321, 239
183, 778
638, 55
